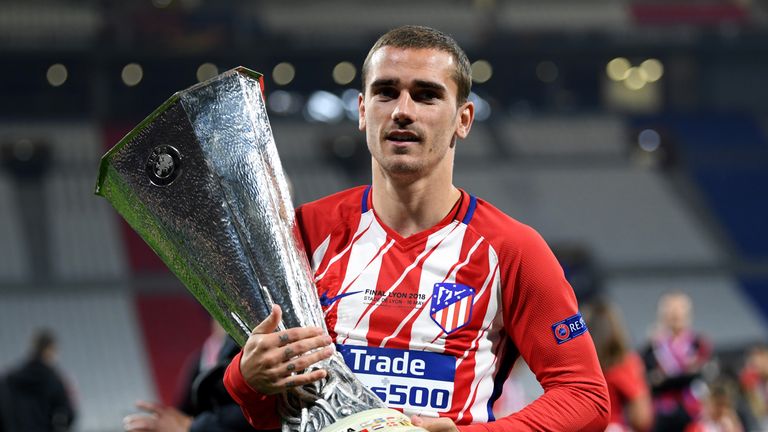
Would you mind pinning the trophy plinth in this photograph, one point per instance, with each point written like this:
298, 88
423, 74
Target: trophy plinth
373, 420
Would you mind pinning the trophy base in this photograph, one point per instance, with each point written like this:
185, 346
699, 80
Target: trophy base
381, 419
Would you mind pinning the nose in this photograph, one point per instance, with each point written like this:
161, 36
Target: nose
402, 114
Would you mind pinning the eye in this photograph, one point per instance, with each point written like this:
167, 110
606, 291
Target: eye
386, 92
426, 96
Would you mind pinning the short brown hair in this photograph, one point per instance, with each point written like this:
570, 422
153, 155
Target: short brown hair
608, 332
42, 341
411, 36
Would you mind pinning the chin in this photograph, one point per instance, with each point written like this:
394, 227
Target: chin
403, 169
404, 164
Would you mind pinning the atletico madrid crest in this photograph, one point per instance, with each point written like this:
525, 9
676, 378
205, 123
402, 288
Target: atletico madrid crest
451, 306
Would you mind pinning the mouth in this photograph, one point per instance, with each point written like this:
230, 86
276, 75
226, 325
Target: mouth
402, 136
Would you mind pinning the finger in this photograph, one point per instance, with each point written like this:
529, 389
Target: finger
434, 424
130, 418
300, 333
270, 323
139, 422
301, 379
150, 407
284, 338
297, 349
305, 361
293, 335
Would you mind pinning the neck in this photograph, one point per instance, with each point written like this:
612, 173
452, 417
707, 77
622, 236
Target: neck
409, 206
678, 332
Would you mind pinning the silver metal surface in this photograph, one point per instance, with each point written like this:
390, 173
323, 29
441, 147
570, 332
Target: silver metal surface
201, 181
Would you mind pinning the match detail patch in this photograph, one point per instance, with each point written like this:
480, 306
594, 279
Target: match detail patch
569, 328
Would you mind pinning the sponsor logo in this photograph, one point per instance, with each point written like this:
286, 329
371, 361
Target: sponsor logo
416, 380
569, 328
326, 301
451, 307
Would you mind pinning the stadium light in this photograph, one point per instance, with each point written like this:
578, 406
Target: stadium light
547, 71
57, 74
206, 71
132, 74
649, 140
482, 71
344, 73
653, 69
283, 73
325, 107
618, 69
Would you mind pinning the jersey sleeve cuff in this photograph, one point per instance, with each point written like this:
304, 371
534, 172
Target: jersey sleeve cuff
240, 391
259, 409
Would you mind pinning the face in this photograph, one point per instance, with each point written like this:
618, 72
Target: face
675, 312
409, 111
758, 359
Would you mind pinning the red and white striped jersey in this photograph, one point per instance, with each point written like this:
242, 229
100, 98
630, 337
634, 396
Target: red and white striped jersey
433, 323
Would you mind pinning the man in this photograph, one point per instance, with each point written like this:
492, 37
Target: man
35, 397
204, 405
674, 359
754, 382
413, 266
624, 371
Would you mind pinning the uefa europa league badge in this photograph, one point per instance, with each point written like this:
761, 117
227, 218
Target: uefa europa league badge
163, 165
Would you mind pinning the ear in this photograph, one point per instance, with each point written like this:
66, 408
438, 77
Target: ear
464, 119
361, 112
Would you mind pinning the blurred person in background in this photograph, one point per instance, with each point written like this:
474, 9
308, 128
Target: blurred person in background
754, 384
674, 358
719, 413
434, 237
623, 368
520, 389
203, 403
35, 397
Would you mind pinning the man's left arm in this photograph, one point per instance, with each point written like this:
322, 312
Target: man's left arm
542, 320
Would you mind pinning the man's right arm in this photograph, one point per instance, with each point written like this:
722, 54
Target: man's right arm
259, 409
270, 363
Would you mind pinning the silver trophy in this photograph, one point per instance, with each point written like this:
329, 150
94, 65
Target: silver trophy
201, 182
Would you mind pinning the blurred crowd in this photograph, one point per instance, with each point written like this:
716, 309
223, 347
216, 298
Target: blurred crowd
675, 381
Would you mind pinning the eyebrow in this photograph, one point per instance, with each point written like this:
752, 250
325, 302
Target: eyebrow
423, 84
384, 83
431, 85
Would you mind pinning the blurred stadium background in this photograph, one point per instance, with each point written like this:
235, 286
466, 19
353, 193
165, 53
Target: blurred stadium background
631, 133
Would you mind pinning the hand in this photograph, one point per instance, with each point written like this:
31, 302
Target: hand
157, 418
270, 359
441, 424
